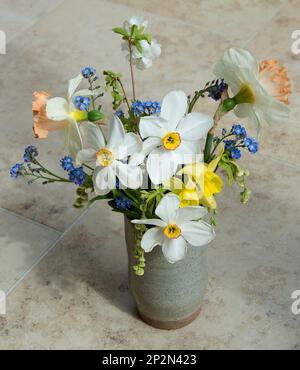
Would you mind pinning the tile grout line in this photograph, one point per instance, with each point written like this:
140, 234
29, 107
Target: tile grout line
27, 219
47, 251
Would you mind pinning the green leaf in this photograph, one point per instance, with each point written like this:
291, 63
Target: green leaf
146, 37
134, 30
228, 170
138, 46
100, 197
120, 31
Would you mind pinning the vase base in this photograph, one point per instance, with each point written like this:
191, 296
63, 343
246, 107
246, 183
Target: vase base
169, 325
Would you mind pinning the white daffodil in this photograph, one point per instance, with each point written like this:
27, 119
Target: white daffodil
64, 112
176, 228
260, 89
173, 137
143, 60
135, 21
111, 158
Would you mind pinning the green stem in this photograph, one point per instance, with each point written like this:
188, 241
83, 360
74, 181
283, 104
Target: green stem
92, 89
87, 166
216, 146
37, 177
217, 117
197, 95
208, 145
131, 70
124, 93
35, 161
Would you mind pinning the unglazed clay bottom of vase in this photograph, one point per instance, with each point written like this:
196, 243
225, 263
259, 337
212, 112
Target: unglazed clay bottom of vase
168, 296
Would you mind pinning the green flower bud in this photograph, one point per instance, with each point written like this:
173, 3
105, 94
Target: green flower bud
140, 272
95, 115
229, 104
245, 195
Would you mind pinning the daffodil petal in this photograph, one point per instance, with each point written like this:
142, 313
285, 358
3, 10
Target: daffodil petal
190, 214
130, 176
132, 144
73, 84
167, 208
195, 126
73, 139
86, 155
152, 238
161, 165
150, 144
174, 184
174, 249
104, 180
116, 133
197, 233
150, 221
57, 109
209, 202
173, 108
92, 136
152, 127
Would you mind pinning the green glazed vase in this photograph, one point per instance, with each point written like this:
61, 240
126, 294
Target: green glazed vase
167, 296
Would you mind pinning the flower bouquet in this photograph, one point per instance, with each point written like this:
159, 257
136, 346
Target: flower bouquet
159, 164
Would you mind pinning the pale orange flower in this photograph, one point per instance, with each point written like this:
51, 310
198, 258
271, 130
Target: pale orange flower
41, 124
275, 80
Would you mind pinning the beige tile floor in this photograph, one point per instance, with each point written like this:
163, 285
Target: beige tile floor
65, 269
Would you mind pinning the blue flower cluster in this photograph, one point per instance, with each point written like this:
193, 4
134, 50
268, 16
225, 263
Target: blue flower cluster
251, 144
17, 170
88, 72
240, 141
67, 163
119, 113
147, 108
215, 91
29, 153
82, 102
123, 203
239, 131
76, 174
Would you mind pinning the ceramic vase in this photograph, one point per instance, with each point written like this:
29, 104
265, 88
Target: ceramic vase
167, 296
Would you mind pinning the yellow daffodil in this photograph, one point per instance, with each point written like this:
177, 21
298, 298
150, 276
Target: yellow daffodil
201, 184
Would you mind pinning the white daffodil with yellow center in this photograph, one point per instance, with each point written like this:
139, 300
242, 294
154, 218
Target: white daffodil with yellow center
260, 89
112, 159
173, 137
176, 228
67, 116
